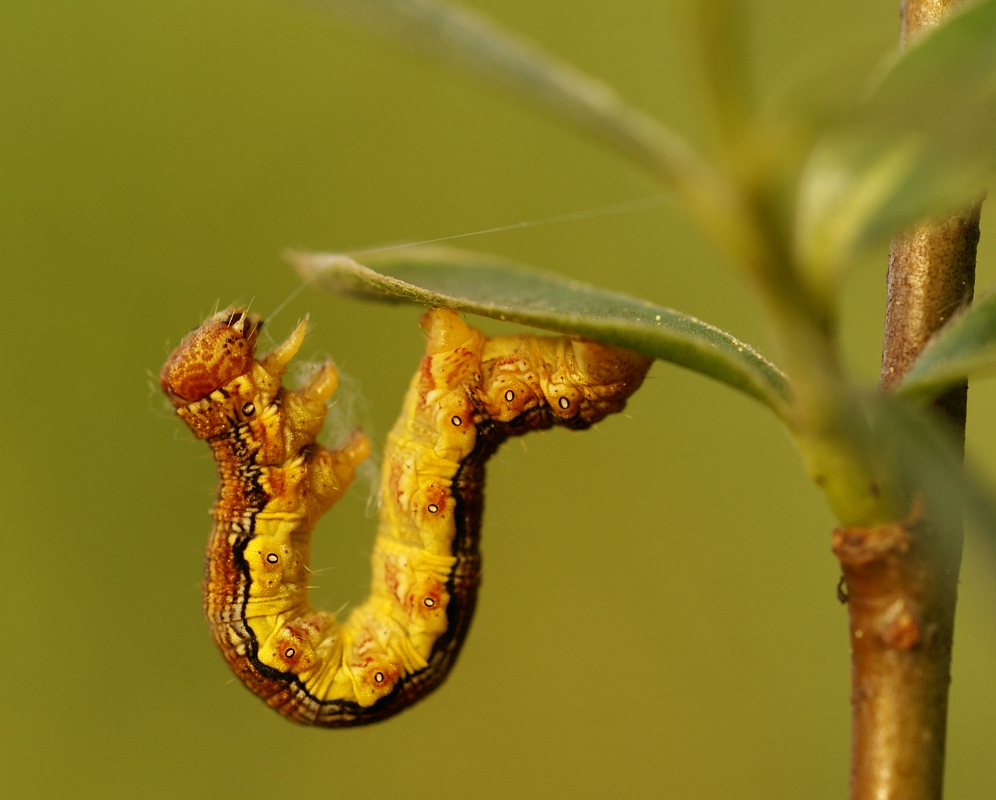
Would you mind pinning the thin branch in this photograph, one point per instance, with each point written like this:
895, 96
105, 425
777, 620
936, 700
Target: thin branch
902, 579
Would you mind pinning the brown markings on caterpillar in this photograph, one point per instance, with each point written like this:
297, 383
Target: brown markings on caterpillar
469, 394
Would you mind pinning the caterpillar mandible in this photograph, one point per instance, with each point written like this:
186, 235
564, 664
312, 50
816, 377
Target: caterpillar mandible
469, 394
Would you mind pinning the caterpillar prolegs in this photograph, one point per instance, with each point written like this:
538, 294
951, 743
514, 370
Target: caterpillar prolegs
469, 394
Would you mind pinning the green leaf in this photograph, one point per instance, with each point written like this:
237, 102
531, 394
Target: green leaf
722, 29
493, 287
923, 142
926, 457
473, 42
965, 346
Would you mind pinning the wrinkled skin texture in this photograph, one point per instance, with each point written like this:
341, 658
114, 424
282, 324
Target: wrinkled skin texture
469, 394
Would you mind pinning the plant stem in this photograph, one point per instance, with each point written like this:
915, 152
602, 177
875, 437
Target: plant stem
931, 276
902, 578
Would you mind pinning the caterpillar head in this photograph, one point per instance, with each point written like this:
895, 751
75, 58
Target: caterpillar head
574, 382
602, 376
216, 385
214, 354
614, 369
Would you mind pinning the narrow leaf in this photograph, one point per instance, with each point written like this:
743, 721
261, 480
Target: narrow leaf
493, 287
922, 143
929, 462
722, 29
473, 42
965, 346
462, 35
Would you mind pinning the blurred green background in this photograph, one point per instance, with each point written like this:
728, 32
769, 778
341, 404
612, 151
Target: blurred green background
658, 614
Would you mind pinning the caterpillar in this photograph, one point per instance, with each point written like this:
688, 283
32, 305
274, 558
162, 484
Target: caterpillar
469, 394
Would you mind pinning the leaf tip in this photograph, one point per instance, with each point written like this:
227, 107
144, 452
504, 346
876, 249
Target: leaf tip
313, 266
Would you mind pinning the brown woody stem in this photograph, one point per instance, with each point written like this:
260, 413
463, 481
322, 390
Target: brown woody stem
902, 578
901, 581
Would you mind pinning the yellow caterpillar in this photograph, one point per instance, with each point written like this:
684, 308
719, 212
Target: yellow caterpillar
470, 393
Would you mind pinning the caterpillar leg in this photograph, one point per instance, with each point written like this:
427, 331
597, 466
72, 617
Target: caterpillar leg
330, 472
275, 362
304, 408
320, 384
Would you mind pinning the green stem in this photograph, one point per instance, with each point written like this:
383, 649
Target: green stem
827, 420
